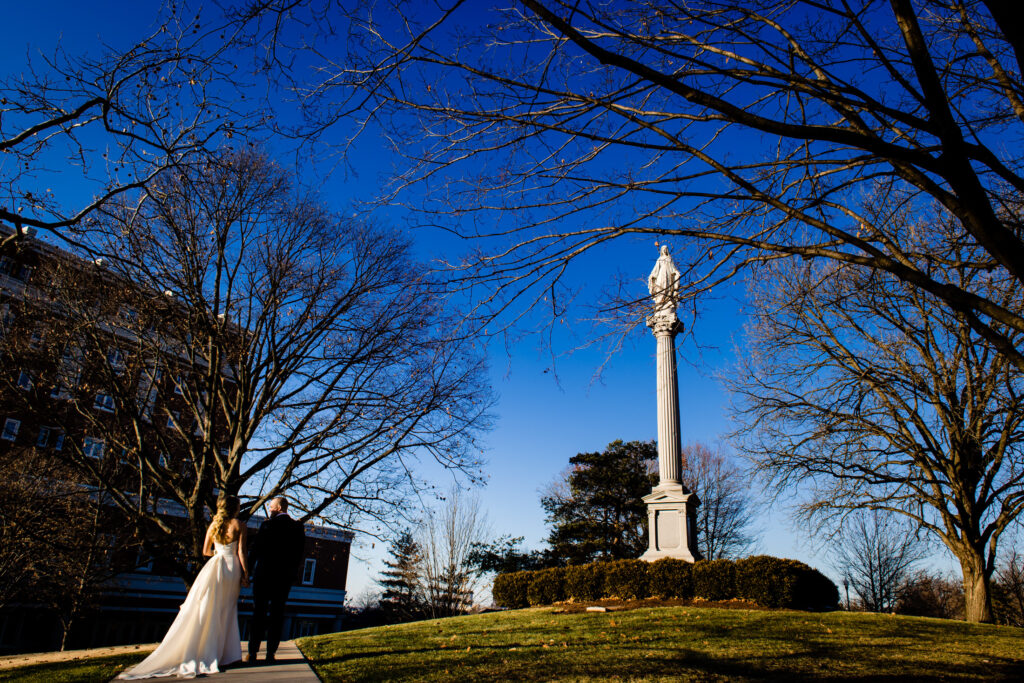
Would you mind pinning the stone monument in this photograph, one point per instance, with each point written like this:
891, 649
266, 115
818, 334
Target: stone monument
671, 508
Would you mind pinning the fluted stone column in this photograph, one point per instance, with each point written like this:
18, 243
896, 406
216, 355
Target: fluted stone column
669, 446
671, 508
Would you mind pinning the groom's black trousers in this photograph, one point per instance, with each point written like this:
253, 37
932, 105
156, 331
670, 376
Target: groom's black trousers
268, 598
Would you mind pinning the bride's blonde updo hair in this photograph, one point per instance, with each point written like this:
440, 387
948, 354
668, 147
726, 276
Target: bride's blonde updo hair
227, 508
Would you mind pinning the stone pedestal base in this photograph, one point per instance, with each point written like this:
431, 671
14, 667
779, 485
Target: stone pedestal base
671, 518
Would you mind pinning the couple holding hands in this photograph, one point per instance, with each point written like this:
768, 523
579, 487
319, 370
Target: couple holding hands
204, 635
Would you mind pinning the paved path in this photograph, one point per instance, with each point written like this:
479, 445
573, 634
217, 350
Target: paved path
289, 665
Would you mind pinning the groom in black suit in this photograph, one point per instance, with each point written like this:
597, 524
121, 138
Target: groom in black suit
276, 554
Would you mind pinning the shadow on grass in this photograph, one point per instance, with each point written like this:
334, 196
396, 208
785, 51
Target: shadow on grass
675, 645
99, 669
527, 663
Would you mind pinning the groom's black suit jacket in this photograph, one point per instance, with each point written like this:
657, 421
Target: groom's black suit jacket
277, 550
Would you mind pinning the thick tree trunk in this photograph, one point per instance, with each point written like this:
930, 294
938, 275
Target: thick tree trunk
977, 596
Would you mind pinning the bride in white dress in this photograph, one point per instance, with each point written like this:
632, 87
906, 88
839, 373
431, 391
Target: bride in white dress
204, 635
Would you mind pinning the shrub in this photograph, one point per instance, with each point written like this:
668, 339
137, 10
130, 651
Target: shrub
714, 579
626, 579
774, 582
670, 578
767, 581
510, 589
546, 586
815, 590
585, 581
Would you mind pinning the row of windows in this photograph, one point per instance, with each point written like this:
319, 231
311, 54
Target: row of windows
25, 381
52, 437
105, 402
16, 270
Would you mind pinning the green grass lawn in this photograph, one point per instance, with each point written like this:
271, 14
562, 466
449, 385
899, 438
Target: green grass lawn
75, 671
671, 644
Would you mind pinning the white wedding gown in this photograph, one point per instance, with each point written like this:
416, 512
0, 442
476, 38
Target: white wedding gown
204, 635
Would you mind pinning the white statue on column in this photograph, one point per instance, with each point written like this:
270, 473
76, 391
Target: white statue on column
671, 508
663, 284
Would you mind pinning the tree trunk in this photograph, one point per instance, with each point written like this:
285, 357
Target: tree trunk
977, 596
65, 629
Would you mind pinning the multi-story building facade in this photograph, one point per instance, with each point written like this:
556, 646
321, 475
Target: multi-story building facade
53, 402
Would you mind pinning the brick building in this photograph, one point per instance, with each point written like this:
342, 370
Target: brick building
53, 404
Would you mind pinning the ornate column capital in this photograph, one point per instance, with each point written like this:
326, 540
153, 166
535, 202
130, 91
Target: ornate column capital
663, 324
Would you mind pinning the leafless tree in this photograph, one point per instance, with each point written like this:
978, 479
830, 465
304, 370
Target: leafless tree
926, 594
726, 512
447, 537
81, 131
864, 392
248, 341
743, 131
1009, 589
58, 543
20, 516
875, 552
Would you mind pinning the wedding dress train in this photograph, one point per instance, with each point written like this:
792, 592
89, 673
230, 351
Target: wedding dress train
204, 635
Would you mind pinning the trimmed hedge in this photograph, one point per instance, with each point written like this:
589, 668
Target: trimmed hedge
670, 578
585, 581
714, 579
626, 579
546, 586
509, 590
774, 582
765, 580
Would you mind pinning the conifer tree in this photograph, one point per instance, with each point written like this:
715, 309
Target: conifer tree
401, 580
598, 514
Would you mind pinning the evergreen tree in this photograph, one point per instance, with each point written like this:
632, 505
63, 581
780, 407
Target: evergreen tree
401, 580
598, 514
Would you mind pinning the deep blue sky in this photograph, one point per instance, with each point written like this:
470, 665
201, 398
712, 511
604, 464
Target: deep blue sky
541, 422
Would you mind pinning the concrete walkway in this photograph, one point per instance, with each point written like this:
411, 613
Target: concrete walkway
289, 665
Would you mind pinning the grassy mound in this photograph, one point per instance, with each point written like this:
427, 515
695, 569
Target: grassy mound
670, 644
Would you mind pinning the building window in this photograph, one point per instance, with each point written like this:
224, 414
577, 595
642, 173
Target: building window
143, 561
6, 317
11, 427
60, 391
93, 447
24, 381
104, 402
308, 571
15, 270
50, 437
115, 357
129, 314
303, 628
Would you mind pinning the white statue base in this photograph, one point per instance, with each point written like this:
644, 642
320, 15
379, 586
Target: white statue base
671, 518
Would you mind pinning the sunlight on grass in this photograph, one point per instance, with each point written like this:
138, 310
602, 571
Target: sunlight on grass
671, 643
76, 671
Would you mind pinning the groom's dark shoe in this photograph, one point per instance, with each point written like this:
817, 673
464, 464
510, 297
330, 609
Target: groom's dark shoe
248, 659
270, 658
